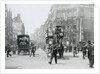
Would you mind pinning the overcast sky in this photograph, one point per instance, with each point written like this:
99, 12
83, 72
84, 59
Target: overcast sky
32, 15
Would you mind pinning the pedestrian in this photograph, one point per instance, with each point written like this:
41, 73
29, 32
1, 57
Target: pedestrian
33, 49
92, 57
71, 47
84, 50
59, 51
8, 50
67, 44
74, 48
65, 48
53, 53
62, 50
78, 47
89, 47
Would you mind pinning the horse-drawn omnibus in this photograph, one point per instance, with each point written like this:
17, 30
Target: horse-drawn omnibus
56, 35
23, 42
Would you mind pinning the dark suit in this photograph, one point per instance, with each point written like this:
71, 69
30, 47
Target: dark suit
89, 47
8, 51
33, 49
92, 57
53, 53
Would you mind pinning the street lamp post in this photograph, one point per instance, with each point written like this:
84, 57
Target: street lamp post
81, 29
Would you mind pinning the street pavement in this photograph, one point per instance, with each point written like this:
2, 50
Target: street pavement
40, 61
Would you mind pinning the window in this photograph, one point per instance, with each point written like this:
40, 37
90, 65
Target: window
74, 26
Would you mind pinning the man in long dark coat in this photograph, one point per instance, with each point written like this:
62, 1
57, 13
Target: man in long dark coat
92, 56
53, 53
89, 47
8, 50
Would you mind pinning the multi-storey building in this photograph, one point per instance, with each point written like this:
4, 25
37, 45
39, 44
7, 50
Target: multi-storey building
13, 27
76, 19
8, 26
18, 27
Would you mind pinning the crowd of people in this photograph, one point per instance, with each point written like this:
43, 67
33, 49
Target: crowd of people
87, 50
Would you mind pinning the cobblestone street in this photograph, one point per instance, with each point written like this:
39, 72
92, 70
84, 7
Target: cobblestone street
40, 61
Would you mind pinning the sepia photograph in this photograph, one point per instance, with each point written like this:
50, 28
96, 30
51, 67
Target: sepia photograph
49, 36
